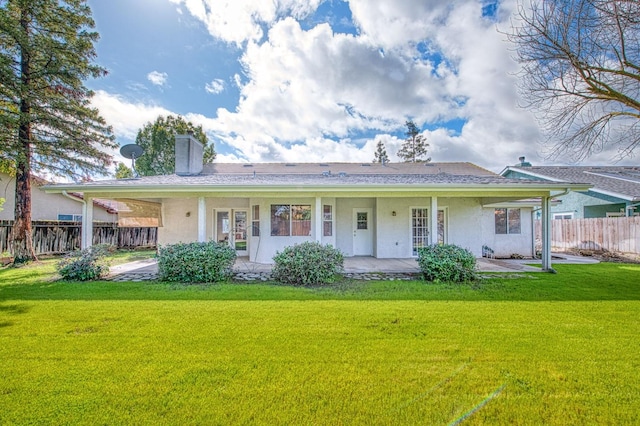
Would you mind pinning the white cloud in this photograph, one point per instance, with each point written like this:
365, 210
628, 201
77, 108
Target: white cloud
306, 94
242, 20
124, 116
215, 86
158, 78
314, 84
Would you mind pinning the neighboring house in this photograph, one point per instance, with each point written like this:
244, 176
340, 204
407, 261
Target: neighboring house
386, 211
48, 207
615, 189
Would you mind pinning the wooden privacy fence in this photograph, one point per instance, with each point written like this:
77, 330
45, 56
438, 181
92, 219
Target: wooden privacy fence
616, 234
61, 237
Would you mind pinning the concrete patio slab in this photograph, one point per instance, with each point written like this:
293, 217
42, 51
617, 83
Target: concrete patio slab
352, 265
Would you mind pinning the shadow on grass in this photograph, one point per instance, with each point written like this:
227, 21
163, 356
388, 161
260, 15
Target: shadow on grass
12, 309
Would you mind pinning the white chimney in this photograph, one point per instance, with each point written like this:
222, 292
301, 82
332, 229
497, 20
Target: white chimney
189, 155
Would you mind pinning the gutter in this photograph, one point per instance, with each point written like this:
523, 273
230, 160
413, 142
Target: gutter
71, 197
160, 188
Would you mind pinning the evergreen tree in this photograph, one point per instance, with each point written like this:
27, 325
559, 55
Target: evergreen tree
158, 140
415, 146
380, 155
46, 122
123, 172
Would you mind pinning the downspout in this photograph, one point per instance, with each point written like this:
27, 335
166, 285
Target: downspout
84, 209
628, 209
533, 231
71, 197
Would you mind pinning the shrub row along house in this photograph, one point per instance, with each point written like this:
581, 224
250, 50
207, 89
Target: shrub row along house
380, 210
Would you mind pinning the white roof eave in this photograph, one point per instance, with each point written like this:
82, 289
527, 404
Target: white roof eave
297, 188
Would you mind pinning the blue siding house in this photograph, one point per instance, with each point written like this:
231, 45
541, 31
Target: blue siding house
615, 191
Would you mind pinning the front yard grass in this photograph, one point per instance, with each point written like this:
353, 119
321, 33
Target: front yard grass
536, 349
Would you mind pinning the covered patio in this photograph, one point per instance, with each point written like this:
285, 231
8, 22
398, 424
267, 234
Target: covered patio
353, 266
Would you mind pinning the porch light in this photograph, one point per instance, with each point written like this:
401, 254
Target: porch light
393, 213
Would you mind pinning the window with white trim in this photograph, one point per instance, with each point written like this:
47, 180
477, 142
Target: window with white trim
559, 216
70, 217
290, 220
255, 221
327, 220
507, 221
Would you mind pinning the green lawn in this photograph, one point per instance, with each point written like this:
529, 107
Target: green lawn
538, 349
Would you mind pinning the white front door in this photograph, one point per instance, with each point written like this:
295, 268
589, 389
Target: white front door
231, 227
419, 229
240, 232
362, 232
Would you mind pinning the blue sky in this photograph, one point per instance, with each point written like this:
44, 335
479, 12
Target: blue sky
313, 80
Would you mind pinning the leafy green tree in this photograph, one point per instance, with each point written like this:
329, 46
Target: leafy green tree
580, 73
415, 146
46, 121
380, 155
158, 140
123, 172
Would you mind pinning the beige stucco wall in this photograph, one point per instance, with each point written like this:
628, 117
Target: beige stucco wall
464, 217
180, 221
45, 206
344, 222
504, 245
467, 223
266, 246
463, 221
394, 232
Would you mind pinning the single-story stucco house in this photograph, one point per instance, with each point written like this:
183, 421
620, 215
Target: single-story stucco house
50, 207
380, 210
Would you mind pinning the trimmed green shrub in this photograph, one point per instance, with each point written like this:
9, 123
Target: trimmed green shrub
87, 264
308, 263
196, 262
447, 263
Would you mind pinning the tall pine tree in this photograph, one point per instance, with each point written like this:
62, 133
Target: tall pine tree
46, 122
380, 155
415, 146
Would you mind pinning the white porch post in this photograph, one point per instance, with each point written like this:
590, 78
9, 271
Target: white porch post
433, 226
87, 223
546, 234
202, 220
318, 221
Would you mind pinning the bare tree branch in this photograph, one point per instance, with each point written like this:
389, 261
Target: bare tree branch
580, 73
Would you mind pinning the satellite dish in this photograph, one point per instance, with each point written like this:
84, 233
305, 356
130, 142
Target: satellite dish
132, 151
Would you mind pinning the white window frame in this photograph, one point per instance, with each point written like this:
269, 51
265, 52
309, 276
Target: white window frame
561, 216
74, 217
411, 228
329, 220
495, 230
291, 220
445, 218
